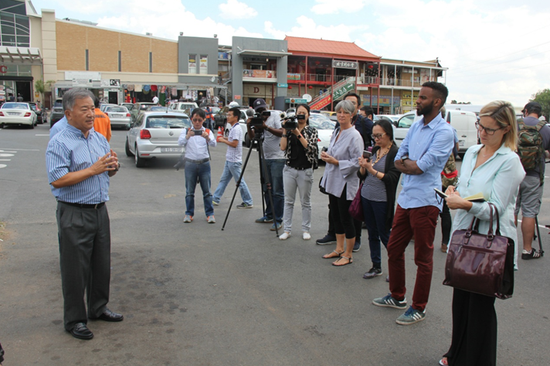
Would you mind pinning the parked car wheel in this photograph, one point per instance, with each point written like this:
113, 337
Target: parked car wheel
32, 126
140, 162
127, 148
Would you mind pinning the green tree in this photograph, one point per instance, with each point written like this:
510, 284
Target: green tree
543, 98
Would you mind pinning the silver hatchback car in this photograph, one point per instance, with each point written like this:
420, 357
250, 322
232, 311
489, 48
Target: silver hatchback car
155, 135
119, 116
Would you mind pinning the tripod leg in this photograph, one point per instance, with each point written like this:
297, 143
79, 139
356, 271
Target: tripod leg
263, 167
237, 187
538, 234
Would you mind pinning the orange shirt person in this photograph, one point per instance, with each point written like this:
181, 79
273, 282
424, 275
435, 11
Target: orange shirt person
102, 122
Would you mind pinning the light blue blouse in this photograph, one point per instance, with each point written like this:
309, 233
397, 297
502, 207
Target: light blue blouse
498, 179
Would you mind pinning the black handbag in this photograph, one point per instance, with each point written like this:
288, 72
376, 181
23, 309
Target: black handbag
481, 263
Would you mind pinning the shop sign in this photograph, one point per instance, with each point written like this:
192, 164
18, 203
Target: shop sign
344, 64
338, 93
295, 100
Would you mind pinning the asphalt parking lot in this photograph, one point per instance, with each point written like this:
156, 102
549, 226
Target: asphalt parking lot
192, 294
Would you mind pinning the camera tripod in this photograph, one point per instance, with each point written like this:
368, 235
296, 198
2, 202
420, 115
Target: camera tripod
264, 179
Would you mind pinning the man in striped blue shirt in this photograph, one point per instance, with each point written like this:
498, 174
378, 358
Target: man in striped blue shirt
80, 163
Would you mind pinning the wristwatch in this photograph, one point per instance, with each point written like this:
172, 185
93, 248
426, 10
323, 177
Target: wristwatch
403, 158
299, 136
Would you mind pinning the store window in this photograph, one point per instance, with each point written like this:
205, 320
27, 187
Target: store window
192, 66
204, 64
13, 27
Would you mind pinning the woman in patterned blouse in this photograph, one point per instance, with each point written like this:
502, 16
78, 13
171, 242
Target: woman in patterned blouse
301, 151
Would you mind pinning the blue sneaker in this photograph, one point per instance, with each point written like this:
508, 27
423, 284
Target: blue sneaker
264, 220
411, 316
389, 302
279, 226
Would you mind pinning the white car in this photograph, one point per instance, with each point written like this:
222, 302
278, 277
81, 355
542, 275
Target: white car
324, 127
155, 135
17, 113
462, 121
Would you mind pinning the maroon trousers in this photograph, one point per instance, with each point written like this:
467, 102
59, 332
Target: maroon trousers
418, 223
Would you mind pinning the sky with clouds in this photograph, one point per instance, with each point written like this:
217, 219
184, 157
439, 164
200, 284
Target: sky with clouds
494, 49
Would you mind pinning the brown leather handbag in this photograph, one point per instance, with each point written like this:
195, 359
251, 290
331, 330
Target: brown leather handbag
481, 263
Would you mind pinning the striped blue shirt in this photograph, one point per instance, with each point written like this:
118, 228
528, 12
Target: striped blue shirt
69, 151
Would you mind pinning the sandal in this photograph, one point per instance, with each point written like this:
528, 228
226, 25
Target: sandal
338, 254
350, 261
444, 362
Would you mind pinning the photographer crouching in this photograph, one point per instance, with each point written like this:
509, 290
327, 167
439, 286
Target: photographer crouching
299, 142
274, 160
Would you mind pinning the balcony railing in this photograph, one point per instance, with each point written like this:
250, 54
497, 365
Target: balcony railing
324, 78
416, 82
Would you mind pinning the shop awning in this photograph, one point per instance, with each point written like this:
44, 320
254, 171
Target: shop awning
266, 53
20, 55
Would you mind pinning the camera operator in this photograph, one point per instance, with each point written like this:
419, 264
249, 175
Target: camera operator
300, 146
274, 160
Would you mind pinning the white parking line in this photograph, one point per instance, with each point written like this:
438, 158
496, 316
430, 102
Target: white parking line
5, 155
3, 166
5, 159
42, 134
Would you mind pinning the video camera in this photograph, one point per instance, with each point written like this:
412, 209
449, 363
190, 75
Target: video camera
257, 120
291, 122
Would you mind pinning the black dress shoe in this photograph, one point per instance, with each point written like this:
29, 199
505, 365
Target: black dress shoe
81, 331
109, 316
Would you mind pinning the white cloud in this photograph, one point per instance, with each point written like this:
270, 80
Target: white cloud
233, 9
307, 28
141, 18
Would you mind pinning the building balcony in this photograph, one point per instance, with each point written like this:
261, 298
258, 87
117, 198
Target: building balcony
405, 82
323, 79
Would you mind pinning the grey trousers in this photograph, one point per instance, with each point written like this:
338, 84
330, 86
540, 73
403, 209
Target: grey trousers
300, 180
85, 260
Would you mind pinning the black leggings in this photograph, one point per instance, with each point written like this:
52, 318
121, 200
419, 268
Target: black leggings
340, 216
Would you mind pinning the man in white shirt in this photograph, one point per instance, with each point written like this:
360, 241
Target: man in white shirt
197, 165
233, 161
156, 99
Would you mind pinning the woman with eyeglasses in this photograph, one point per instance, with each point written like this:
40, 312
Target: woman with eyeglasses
340, 181
493, 169
378, 192
301, 151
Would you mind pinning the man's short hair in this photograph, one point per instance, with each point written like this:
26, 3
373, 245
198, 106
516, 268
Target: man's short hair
533, 107
440, 90
236, 111
73, 94
96, 102
368, 110
352, 94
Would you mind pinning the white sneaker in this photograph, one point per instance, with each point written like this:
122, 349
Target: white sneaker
306, 236
284, 236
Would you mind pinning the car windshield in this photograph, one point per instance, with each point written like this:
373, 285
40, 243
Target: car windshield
15, 106
158, 108
406, 121
168, 122
321, 122
116, 109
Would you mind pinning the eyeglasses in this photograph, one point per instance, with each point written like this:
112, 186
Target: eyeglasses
378, 136
488, 131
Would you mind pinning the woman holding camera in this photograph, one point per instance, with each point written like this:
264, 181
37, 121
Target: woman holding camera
197, 165
493, 169
300, 146
378, 191
340, 181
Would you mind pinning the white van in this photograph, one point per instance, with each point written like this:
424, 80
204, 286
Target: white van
183, 107
463, 121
